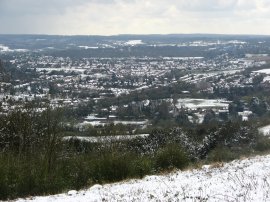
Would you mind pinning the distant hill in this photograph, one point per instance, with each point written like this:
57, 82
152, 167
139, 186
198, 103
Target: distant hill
155, 45
34, 42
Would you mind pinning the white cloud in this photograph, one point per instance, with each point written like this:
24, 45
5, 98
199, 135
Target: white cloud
135, 16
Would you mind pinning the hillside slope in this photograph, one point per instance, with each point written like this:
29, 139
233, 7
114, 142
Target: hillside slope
240, 180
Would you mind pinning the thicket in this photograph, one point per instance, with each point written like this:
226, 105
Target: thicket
34, 160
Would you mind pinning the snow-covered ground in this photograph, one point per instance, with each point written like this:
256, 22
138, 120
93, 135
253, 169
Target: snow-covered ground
202, 103
240, 180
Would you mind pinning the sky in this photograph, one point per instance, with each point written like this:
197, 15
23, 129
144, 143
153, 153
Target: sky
112, 17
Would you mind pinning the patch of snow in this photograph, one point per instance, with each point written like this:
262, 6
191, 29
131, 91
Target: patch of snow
88, 47
93, 117
245, 115
104, 139
239, 180
236, 42
119, 91
131, 122
21, 50
96, 187
263, 71
134, 42
265, 130
256, 55
4, 48
183, 58
200, 117
267, 78
93, 123
72, 193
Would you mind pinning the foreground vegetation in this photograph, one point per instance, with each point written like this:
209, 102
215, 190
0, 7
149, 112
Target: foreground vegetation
35, 161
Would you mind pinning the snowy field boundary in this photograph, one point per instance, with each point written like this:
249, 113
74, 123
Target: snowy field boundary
239, 180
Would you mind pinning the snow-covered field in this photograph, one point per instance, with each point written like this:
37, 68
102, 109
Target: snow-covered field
103, 122
263, 71
240, 180
4, 48
73, 69
202, 103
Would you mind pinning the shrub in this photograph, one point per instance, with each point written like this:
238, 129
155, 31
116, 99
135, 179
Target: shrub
220, 154
4, 193
111, 167
263, 144
172, 155
142, 166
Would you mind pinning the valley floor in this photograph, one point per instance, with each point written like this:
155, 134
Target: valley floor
240, 180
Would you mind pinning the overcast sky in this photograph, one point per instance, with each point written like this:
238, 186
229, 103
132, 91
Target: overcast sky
109, 17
